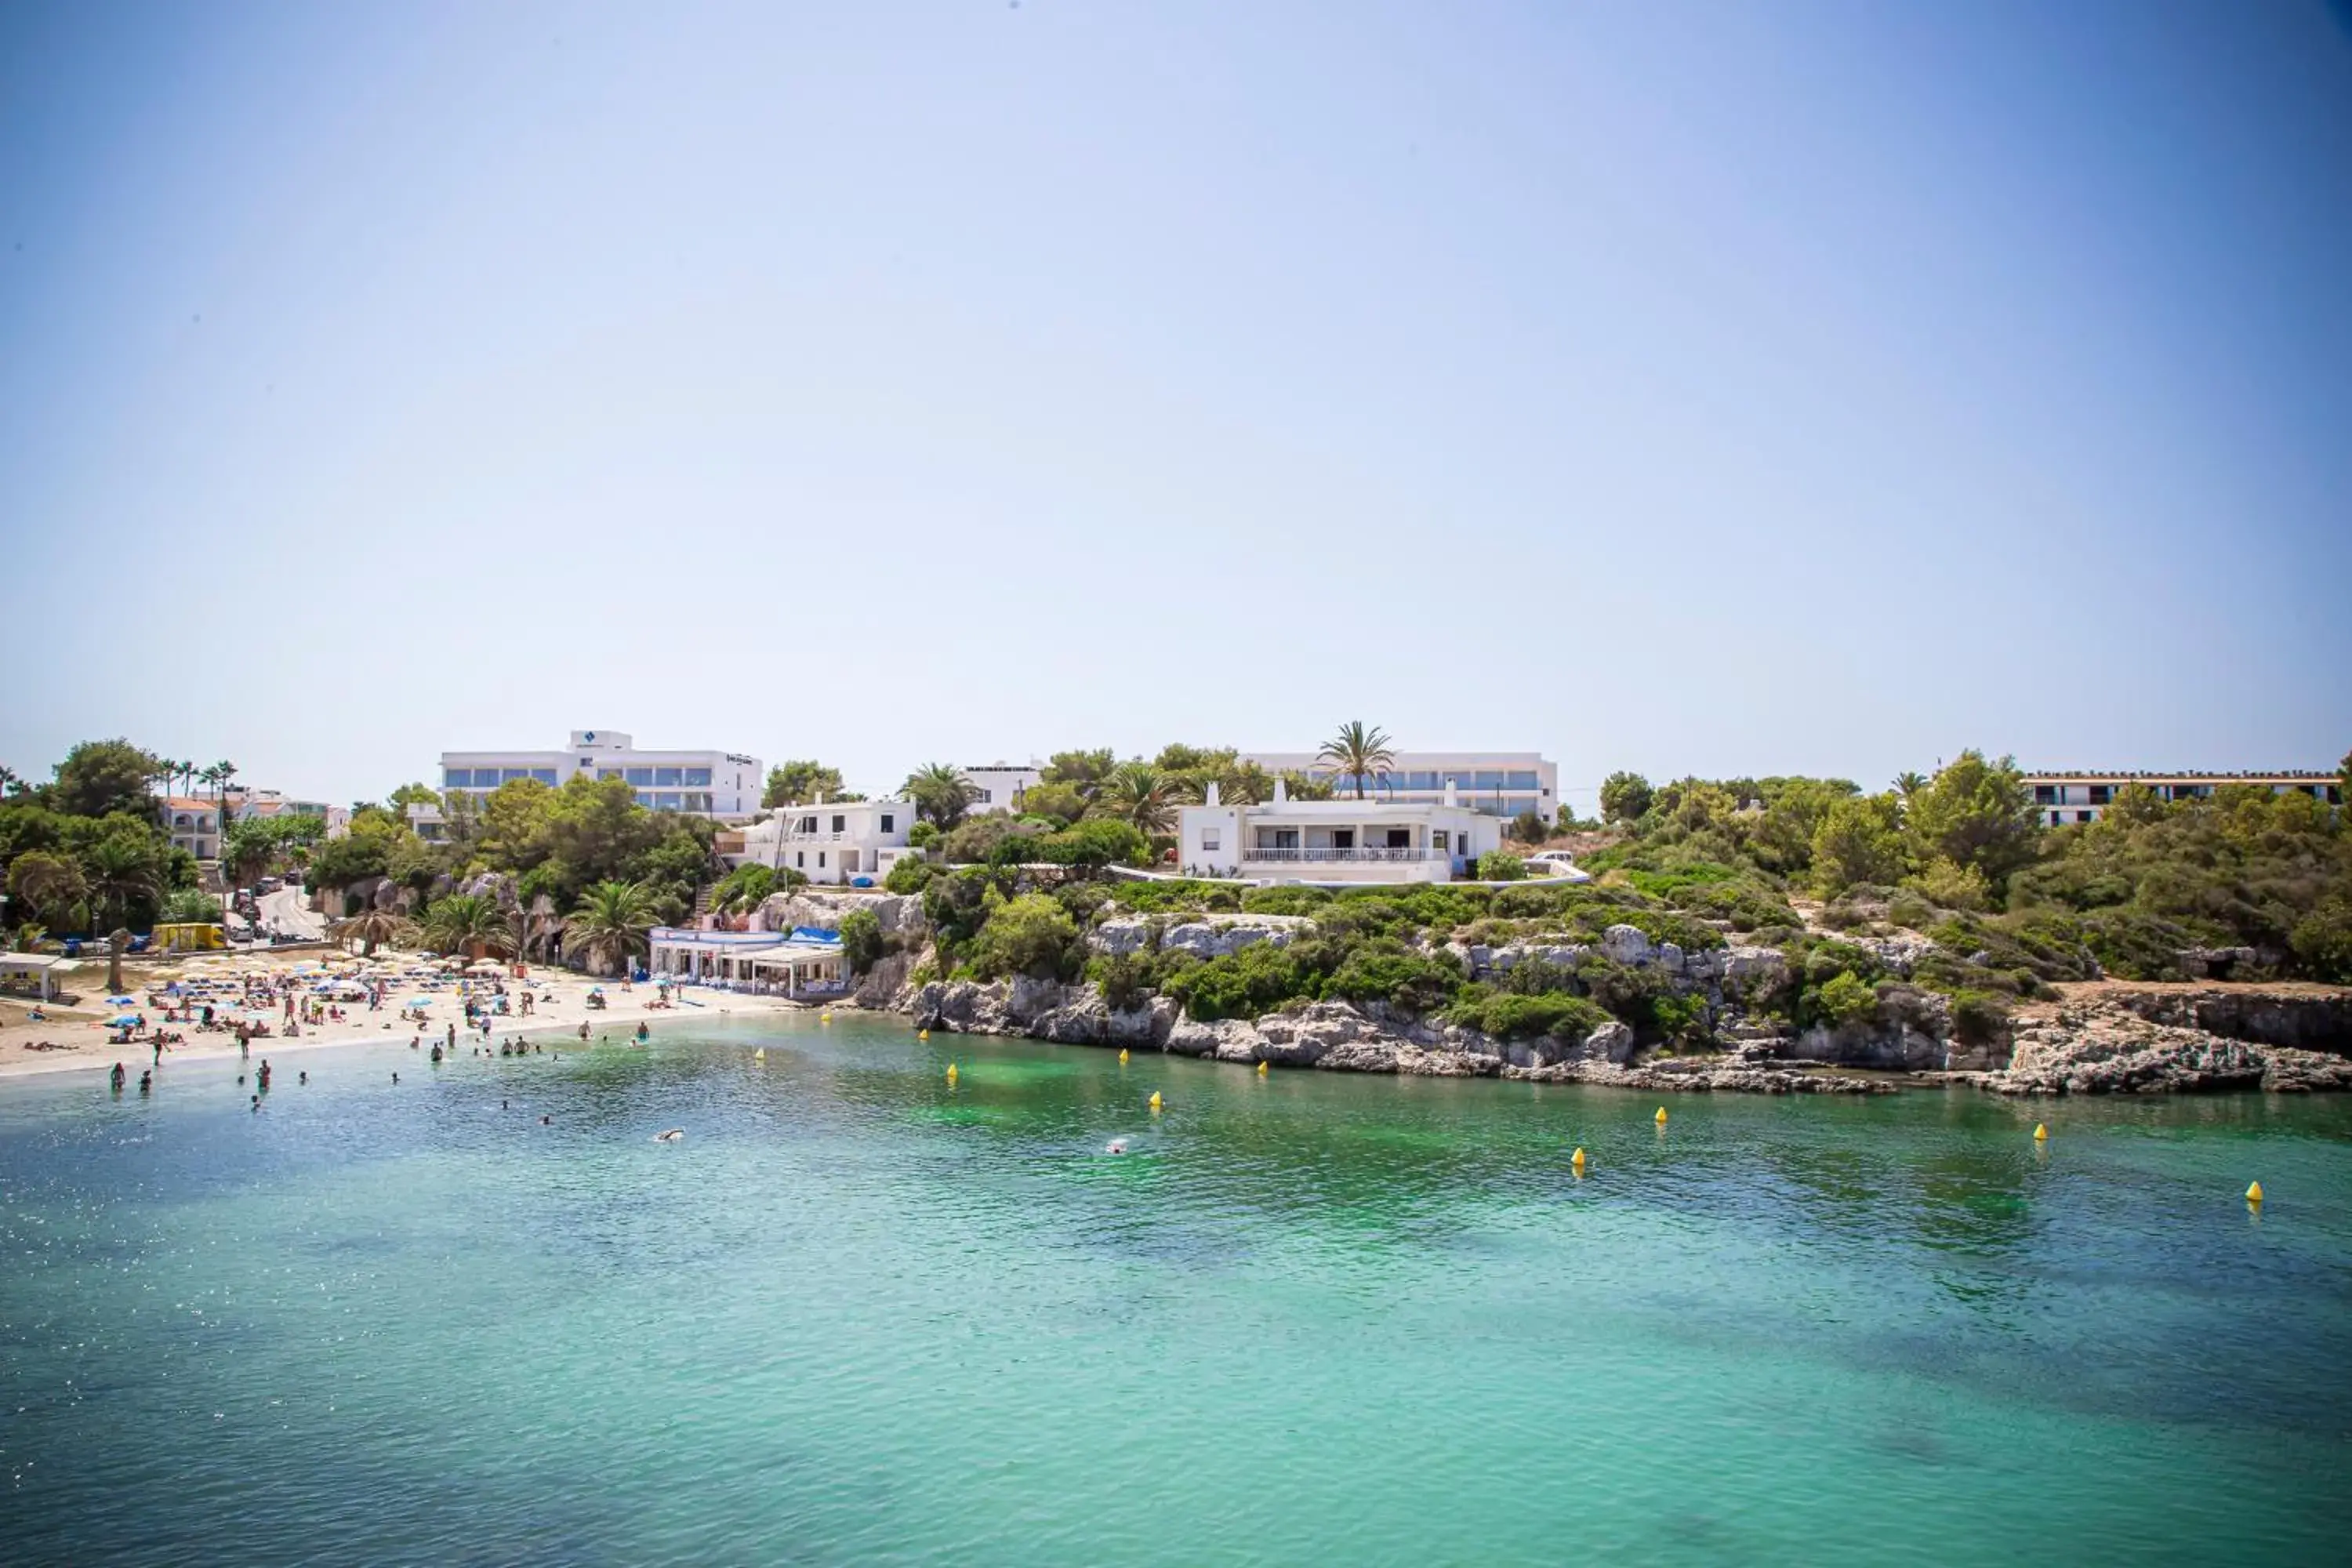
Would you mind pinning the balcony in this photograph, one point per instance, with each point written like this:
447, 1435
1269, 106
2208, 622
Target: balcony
1326, 857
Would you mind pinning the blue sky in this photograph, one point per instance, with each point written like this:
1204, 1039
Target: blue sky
1718, 388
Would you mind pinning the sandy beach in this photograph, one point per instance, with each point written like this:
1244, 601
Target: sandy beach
81, 1033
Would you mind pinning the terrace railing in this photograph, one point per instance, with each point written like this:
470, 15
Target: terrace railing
1259, 852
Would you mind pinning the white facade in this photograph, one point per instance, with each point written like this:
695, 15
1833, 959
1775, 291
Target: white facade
723, 785
1336, 840
769, 963
268, 803
2061, 799
1497, 783
831, 841
193, 824
998, 787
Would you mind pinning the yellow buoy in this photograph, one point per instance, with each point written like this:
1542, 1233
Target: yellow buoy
1155, 1099
1122, 1053
2255, 1193
824, 1017
2041, 1133
760, 1055
922, 1034
951, 1072
1577, 1160
1662, 1116
1260, 1070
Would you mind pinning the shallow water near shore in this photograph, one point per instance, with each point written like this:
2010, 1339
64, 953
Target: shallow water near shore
858, 1315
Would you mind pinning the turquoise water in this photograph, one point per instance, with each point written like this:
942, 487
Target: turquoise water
859, 1316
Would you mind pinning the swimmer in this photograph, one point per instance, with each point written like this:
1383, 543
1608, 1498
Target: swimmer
1116, 1146
502, 1105
671, 1136
257, 1102
547, 1121
395, 1078
146, 1081
302, 1077
114, 1079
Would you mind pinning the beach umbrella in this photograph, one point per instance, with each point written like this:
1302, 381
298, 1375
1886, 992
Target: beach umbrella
123, 1020
420, 1002
122, 1001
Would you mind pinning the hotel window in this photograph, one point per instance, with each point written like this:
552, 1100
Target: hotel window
666, 801
509, 775
698, 800
698, 777
1437, 839
457, 778
1521, 781
544, 775
2045, 794
666, 777
2081, 816
1209, 841
840, 824
641, 777
800, 857
645, 798
888, 822
808, 824
820, 859
1487, 778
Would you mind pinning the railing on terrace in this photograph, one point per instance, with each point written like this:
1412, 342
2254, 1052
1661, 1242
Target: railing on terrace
1260, 852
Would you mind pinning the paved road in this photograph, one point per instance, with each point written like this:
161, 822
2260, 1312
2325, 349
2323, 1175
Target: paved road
284, 910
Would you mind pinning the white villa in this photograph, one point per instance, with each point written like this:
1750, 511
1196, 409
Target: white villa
777, 963
830, 841
998, 787
193, 822
1287, 840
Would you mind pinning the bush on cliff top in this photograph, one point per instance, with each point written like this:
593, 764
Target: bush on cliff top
1515, 1016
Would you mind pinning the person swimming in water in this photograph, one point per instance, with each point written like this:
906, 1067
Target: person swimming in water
114, 1080
146, 1081
1118, 1146
670, 1136
644, 1033
301, 1078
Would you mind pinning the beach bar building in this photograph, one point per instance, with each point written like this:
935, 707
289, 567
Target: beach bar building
806, 963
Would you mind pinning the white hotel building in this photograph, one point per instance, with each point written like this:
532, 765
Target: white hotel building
1497, 783
2060, 799
1337, 841
721, 784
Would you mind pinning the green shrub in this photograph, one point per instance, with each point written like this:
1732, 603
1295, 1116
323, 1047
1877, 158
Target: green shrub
910, 874
1845, 999
1284, 899
1242, 984
1031, 935
1979, 1018
1501, 865
924, 834
862, 943
1097, 842
1176, 897
1515, 1015
1384, 970
1125, 979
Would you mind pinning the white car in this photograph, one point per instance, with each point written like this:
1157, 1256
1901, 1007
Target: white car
1557, 863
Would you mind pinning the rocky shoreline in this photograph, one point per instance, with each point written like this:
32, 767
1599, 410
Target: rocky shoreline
2099, 1038
2106, 1046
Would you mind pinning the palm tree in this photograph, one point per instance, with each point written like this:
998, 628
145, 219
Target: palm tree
119, 869
1358, 753
461, 922
1910, 784
116, 944
221, 773
939, 793
370, 926
1139, 794
614, 923
11, 782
